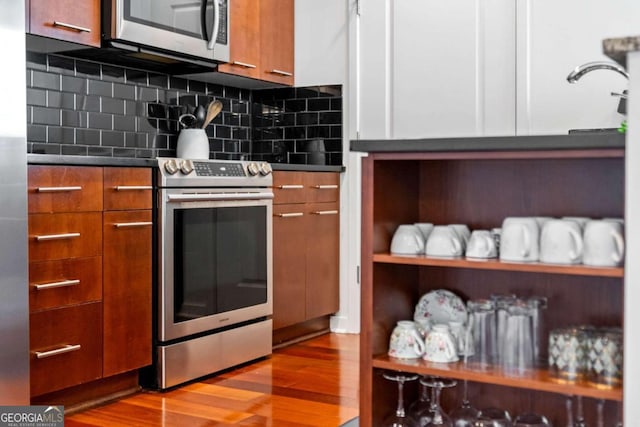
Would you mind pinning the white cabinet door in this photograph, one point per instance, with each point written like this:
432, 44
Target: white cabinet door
321, 39
553, 38
436, 69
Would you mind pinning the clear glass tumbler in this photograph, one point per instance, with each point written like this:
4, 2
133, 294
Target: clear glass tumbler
483, 321
517, 352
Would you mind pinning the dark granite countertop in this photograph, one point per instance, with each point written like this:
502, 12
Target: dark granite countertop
53, 159
618, 47
306, 168
574, 141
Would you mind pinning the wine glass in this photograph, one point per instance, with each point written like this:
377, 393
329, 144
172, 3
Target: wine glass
580, 422
569, 406
465, 415
600, 412
438, 417
400, 418
419, 409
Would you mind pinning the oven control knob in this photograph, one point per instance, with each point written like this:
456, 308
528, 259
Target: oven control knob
265, 169
253, 169
171, 167
186, 167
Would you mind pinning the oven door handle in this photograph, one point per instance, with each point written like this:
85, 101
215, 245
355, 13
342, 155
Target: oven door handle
217, 196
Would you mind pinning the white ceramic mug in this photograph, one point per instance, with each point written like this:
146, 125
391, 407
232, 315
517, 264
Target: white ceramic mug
405, 341
440, 345
407, 240
481, 245
519, 239
561, 242
603, 243
444, 241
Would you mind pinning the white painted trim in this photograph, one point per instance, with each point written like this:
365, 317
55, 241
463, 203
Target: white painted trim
347, 320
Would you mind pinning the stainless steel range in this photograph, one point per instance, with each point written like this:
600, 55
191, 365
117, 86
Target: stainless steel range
214, 266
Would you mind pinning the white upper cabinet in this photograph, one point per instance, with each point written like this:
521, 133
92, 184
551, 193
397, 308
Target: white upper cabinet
436, 69
430, 68
553, 38
321, 39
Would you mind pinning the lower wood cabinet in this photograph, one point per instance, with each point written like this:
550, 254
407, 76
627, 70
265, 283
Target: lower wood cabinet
90, 257
127, 290
306, 237
323, 263
289, 265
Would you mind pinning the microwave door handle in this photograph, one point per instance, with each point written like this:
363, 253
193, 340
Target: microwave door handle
216, 24
203, 20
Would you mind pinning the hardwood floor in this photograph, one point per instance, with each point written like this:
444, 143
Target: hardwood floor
312, 383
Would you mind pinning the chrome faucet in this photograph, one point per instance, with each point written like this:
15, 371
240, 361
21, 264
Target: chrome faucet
583, 69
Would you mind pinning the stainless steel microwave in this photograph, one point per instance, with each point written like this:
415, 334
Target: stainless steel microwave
187, 30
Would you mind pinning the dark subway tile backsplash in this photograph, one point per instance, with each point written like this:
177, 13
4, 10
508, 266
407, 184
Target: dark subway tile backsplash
298, 125
85, 108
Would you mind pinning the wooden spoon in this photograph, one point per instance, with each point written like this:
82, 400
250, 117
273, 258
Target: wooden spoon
213, 109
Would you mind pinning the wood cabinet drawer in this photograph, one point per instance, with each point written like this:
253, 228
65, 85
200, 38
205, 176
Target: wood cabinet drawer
322, 187
288, 187
127, 188
59, 283
66, 347
71, 20
64, 189
64, 235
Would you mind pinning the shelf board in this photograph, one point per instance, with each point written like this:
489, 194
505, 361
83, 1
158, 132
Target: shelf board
492, 264
534, 379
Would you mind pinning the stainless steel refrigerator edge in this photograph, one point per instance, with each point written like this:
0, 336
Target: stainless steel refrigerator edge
14, 303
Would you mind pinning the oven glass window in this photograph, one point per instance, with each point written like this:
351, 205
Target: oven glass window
220, 260
178, 16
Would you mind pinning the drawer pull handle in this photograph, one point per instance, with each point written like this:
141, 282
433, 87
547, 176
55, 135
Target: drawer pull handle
290, 215
243, 64
57, 236
60, 284
71, 27
66, 349
325, 212
133, 187
290, 186
57, 189
132, 224
282, 73
326, 186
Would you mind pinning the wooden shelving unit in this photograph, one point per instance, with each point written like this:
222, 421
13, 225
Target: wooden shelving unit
480, 189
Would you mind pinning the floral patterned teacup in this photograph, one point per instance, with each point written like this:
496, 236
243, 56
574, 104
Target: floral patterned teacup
405, 341
440, 345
